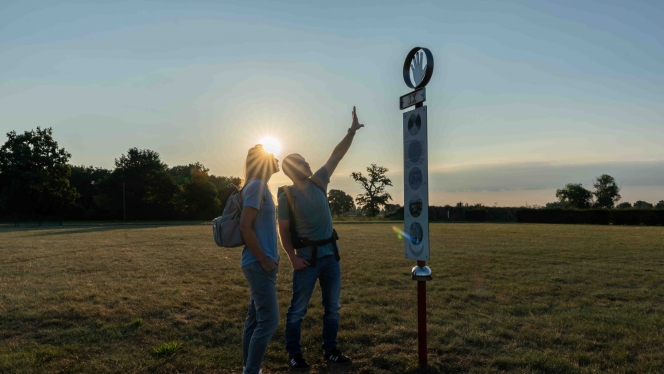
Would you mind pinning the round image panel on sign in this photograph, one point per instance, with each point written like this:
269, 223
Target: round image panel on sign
414, 124
416, 233
415, 178
415, 206
414, 151
418, 67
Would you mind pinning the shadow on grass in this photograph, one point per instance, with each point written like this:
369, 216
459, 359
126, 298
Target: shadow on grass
80, 229
427, 370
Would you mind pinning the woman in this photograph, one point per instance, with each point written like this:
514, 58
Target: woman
260, 260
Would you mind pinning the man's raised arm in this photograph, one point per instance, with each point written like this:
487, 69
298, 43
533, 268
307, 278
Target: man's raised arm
341, 148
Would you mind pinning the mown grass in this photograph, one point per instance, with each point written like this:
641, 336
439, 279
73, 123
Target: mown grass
505, 298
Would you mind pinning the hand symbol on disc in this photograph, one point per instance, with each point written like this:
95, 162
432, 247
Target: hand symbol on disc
418, 68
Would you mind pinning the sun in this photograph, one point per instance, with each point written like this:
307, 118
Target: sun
270, 145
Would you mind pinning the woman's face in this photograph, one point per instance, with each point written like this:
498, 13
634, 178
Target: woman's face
275, 165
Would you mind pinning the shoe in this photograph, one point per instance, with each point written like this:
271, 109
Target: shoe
297, 362
335, 356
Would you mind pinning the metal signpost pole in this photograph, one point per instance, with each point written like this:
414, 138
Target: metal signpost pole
417, 71
422, 319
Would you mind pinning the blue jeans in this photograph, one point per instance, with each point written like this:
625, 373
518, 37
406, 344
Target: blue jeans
262, 317
328, 272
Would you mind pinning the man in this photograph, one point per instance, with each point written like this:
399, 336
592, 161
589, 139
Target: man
304, 217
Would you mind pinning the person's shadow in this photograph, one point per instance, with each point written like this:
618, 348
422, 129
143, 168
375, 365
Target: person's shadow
343, 369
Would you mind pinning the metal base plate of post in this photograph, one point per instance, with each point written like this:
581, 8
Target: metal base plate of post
421, 273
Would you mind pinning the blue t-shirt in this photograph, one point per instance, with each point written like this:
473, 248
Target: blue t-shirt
256, 194
313, 219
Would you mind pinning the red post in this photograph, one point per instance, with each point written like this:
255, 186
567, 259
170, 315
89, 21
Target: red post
422, 319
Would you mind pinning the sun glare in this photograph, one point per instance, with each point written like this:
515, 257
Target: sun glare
270, 145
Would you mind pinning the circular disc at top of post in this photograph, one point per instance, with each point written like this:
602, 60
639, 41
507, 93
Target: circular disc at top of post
428, 71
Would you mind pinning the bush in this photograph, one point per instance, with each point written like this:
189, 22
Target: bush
590, 216
440, 213
478, 215
593, 216
637, 217
396, 215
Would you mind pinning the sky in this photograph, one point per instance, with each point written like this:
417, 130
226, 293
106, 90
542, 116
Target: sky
526, 96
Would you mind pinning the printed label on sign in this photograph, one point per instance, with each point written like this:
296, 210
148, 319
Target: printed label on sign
415, 97
416, 185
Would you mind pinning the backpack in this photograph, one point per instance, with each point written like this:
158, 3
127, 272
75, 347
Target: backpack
226, 228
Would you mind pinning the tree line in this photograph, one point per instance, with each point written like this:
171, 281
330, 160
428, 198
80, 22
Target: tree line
37, 182
605, 196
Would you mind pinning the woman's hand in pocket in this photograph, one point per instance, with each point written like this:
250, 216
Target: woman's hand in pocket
269, 265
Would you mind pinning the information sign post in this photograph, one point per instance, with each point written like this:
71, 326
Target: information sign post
417, 71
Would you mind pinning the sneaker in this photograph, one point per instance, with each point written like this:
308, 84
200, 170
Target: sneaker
335, 356
297, 362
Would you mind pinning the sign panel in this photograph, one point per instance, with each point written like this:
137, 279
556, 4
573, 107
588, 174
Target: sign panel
416, 184
418, 68
415, 97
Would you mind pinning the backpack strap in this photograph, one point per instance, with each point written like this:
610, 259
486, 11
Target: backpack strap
241, 190
333, 239
295, 238
291, 202
318, 184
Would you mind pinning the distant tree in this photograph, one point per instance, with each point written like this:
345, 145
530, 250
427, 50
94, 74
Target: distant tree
624, 205
34, 174
340, 202
86, 180
557, 205
185, 173
575, 196
149, 188
389, 208
198, 196
374, 186
642, 205
606, 192
224, 190
660, 205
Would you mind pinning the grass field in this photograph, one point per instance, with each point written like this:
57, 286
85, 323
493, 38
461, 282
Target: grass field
505, 298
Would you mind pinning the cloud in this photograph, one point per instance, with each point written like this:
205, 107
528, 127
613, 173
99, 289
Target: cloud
541, 175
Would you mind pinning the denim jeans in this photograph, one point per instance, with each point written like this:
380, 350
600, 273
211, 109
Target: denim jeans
328, 272
262, 317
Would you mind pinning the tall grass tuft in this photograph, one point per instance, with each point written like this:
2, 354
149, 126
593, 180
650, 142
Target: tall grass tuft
167, 349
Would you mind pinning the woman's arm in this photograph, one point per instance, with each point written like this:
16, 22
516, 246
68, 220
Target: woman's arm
251, 240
